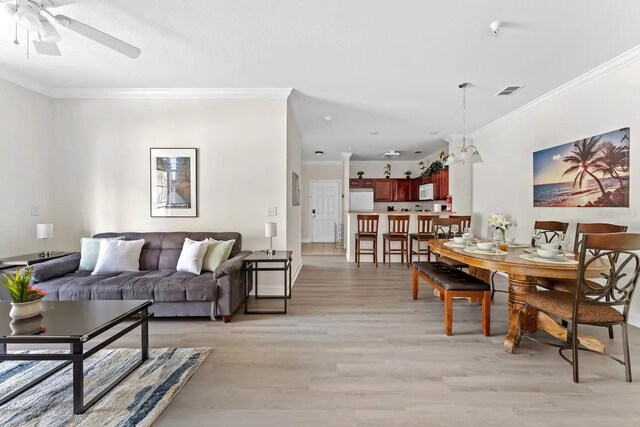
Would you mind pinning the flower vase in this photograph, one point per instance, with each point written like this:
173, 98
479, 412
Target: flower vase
502, 243
25, 310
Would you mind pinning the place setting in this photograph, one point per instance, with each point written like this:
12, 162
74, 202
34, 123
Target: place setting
462, 241
551, 253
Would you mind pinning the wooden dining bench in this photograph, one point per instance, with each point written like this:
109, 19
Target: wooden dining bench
453, 283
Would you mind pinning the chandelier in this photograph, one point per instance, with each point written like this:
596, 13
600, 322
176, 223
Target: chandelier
467, 153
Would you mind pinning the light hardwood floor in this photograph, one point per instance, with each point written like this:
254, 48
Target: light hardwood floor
309, 249
356, 350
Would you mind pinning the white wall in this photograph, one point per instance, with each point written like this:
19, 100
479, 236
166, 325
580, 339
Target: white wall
504, 182
25, 151
294, 218
316, 171
101, 176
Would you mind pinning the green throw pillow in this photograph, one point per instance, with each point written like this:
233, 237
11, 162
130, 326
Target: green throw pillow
89, 250
217, 253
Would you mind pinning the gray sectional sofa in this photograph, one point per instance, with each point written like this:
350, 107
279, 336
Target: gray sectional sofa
176, 294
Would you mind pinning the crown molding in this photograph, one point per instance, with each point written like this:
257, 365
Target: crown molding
170, 93
147, 93
598, 72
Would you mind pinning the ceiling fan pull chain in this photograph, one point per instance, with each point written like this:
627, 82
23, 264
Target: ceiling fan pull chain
27, 45
15, 41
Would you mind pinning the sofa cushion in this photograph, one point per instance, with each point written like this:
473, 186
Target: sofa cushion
217, 253
89, 250
162, 250
161, 286
192, 256
118, 255
55, 268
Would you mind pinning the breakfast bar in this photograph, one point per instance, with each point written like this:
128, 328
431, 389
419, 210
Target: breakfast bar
352, 228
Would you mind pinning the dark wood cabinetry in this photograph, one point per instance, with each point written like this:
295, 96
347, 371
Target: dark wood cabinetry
384, 190
361, 183
402, 189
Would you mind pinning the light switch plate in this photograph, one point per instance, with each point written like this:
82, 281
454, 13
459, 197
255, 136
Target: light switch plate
272, 211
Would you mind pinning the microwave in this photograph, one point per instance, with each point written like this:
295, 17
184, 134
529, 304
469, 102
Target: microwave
425, 192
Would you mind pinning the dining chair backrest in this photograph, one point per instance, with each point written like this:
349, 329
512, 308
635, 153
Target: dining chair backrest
618, 253
399, 224
441, 227
368, 224
594, 228
424, 223
549, 230
465, 221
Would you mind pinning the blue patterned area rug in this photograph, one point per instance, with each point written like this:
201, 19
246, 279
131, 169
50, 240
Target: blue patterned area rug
137, 401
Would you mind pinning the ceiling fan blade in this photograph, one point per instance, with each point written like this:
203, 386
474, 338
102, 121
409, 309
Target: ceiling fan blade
50, 49
98, 36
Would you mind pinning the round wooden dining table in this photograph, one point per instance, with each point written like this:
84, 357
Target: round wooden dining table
523, 275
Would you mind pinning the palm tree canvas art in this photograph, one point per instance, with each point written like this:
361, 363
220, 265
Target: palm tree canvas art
590, 172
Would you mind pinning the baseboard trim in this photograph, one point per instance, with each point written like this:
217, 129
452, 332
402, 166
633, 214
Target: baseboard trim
296, 274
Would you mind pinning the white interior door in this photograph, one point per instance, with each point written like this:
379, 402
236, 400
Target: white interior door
325, 210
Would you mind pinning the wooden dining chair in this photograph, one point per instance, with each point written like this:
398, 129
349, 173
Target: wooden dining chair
398, 231
593, 303
368, 232
568, 285
549, 231
442, 229
424, 233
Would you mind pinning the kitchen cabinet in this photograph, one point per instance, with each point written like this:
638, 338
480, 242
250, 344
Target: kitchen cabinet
384, 190
403, 190
361, 183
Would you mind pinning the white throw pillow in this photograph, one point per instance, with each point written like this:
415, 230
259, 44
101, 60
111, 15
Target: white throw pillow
89, 250
192, 256
116, 256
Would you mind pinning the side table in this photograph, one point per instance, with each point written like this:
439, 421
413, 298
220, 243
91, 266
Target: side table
280, 261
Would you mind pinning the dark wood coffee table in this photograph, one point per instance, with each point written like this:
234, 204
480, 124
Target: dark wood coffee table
74, 323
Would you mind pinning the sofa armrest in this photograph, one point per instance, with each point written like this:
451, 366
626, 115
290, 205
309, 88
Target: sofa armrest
232, 265
55, 268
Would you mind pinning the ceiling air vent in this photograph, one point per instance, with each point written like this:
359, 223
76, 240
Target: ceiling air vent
509, 90
392, 154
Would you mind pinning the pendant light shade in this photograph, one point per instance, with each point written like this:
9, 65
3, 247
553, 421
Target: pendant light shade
47, 33
27, 18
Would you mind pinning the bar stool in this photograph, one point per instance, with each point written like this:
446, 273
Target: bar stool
398, 231
465, 221
423, 234
367, 231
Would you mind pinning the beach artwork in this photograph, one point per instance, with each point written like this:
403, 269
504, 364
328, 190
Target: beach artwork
590, 172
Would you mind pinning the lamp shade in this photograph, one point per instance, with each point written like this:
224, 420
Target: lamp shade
44, 231
270, 229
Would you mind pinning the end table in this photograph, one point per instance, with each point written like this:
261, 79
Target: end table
280, 261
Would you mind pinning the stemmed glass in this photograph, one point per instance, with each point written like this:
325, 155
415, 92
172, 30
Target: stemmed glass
466, 233
454, 229
565, 243
537, 235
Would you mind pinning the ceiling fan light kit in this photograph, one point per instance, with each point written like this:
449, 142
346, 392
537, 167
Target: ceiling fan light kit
34, 16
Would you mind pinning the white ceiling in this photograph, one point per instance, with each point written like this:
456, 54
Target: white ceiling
372, 65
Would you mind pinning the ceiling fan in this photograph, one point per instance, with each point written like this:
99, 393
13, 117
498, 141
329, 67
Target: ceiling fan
34, 16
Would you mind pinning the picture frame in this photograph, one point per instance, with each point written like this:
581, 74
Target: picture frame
173, 190
295, 190
592, 172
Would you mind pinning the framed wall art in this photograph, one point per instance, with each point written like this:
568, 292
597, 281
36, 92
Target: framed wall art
174, 191
590, 172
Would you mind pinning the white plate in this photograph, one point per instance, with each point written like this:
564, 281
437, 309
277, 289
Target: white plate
534, 251
488, 252
519, 245
455, 245
564, 261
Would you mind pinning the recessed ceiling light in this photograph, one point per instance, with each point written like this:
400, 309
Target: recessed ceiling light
417, 152
375, 132
327, 118
435, 132
319, 153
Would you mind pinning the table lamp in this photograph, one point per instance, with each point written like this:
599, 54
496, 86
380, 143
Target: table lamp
270, 231
44, 232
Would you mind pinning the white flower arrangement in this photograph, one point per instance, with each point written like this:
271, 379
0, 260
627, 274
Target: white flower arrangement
502, 221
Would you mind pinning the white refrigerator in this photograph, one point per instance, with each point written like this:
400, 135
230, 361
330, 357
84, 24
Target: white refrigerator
361, 200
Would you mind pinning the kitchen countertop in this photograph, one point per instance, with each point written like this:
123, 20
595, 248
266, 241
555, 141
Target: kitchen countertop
400, 212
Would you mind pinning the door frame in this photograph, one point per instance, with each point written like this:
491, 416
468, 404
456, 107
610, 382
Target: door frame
340, 197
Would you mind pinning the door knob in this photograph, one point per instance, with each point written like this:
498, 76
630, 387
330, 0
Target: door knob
313, 212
